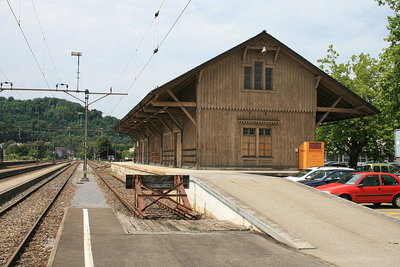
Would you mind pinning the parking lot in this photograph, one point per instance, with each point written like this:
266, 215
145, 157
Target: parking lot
387, 209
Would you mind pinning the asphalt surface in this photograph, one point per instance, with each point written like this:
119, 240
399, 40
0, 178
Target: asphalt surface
387, 209
111, 247
342, 232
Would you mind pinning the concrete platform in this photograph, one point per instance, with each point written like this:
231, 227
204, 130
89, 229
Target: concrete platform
107, 244
342, 232
11, 182
111, 247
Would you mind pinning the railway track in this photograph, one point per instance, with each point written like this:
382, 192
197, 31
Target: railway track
169, 223
160, 210
20, 219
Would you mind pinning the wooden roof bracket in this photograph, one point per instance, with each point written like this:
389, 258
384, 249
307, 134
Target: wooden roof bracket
135, 136
148, 109
165, 124
151, 132
340, 110
200, 75
175, 121
182, 108
143, 133
317, 81
327, 113
141, 136
276, 54
166, 104
245, 53
156, 128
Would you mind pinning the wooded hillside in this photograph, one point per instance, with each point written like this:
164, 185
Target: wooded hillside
57, 121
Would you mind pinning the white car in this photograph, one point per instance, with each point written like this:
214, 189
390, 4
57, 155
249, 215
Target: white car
314, 172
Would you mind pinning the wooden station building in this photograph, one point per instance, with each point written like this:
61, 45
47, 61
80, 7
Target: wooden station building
251, 106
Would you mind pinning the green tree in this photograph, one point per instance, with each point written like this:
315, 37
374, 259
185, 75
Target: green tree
390, 67
55, 120
102, 144
356, 136
389, 82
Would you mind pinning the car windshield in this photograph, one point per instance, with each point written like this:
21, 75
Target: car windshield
393, 169
319, 175
302, 173
350, 178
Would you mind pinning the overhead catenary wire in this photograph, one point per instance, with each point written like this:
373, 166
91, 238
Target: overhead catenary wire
45, 42
154, 52
8, 80
27, 42
173, 25
135, 52
5, 76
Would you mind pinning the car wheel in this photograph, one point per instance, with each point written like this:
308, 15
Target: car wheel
347, 197
377, 204
396, 201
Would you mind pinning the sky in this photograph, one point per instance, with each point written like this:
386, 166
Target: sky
117, 39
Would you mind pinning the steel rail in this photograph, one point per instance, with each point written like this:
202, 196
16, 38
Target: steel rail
8, 195
14, 257
179, 210
119, 196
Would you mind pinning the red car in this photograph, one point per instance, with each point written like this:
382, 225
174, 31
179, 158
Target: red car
367, 187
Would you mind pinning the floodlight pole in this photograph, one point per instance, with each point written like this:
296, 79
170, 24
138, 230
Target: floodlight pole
77, 54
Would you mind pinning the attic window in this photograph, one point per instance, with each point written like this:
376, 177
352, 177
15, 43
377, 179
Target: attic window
258, 77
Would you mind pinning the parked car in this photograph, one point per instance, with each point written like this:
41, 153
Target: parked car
325, 177
336, 164
377, 167
367, 187
309, 173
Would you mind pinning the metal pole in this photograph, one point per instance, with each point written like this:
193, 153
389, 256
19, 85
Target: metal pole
77, 78
85, 178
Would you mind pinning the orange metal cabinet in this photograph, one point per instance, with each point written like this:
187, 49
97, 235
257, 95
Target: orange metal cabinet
311, 155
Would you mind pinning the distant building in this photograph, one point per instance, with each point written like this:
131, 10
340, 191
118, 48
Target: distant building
251, 106
61, 153
108, 155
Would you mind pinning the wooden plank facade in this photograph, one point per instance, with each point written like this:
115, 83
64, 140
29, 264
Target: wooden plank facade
251, 106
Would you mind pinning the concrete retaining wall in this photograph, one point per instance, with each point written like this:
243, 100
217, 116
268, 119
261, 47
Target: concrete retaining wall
207, 202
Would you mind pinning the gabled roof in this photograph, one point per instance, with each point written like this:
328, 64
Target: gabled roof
335, 101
